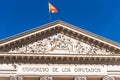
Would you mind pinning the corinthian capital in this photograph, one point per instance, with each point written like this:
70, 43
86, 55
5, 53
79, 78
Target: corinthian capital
16, 77
46, 78
108, 78
13, 77
19, 77
80, 78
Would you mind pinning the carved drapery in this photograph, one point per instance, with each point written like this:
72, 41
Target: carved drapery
108, 78
16, 77
46, 78
59, 43
80, 78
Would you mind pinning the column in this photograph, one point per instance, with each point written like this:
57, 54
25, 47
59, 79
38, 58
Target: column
108, 78
46, 78
80, 78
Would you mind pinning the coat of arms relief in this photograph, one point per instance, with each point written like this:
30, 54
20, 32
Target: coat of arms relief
59, 44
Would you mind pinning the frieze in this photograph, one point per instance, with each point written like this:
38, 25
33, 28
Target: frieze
61, 44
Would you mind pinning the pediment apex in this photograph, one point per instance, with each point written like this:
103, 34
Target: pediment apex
65, 28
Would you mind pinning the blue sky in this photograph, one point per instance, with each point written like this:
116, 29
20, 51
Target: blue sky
101, 17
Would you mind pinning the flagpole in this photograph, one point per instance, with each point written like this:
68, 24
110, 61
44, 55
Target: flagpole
49, 15
50, 18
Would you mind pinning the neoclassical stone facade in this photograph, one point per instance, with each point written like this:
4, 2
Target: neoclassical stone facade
59, 51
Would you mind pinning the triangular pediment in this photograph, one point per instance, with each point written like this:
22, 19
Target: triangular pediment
59, 38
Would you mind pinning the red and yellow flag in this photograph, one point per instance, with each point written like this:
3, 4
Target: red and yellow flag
52, 9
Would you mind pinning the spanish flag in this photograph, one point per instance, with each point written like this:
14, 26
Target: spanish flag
52, 9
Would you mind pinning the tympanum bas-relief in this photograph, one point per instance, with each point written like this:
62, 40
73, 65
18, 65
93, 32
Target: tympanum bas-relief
60, 44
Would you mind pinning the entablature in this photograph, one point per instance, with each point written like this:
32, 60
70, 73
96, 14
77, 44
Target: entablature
59, 58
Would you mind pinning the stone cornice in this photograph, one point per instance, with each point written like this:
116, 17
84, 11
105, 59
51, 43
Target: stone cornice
58, 55
61, 58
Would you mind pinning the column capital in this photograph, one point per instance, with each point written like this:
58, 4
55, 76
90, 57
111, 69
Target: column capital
13, 77
16, 77
108, 78
19, 77
80, 78
46, 78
